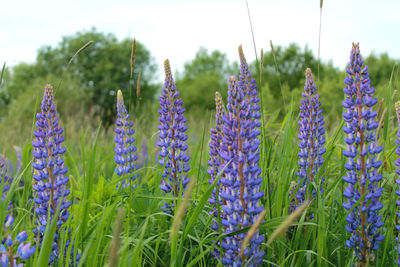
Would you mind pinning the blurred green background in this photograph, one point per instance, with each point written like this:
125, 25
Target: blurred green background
86, 90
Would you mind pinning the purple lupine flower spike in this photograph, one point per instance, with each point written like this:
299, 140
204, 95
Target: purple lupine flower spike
214, 162
240, 182
362, 166
216, 138
125, 150
312, 138
172, 138
8, 245
397, 162
50, 174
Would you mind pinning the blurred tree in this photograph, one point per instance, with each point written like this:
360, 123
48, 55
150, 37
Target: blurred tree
4, 96
203, 76
288, 81
17, 80
380, 68
100, 70
291, 62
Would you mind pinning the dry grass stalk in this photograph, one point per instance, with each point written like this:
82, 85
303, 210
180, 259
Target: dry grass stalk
282, 228
181, 210
80, 50
252, 232
133, 51
138, 85
116, 241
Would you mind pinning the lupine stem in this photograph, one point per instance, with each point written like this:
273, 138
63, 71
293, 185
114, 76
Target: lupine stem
362, 177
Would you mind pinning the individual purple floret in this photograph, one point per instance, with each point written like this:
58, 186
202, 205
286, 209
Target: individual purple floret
9, 244
50, 173
240, 182
397, 162
125, 150
362, 164
312, 139
172, 138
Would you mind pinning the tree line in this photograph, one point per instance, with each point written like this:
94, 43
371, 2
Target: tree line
89, 84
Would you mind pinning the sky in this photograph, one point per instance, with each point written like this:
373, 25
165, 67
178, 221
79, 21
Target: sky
177, 29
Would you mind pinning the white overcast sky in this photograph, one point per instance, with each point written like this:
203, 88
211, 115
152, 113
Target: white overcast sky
176, 29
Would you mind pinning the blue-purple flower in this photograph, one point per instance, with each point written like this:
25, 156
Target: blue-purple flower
215, 160
125, 150
4, 178
10, 248
50, 173
363, 190
172, 138
217, 134
312, 139
240, 182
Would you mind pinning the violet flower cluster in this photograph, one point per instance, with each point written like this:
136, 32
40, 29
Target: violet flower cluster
172, 138
215, 145
50, 173
24, 250
125, 150
362, 164
312, 139
239, 188
215, 160
397, 162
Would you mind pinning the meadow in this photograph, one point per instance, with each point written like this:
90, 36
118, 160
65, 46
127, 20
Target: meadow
149, 223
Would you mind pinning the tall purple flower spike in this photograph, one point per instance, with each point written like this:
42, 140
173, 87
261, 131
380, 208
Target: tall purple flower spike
172, 138
49, 172
362, 165
125, 150
312, 139
215, 160
12, 250
397, 162
240, 182
217, 135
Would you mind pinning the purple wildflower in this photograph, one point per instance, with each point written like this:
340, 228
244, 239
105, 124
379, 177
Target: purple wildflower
172, 137
214, 162
311, 136
4, 178
125, 150
397, 162
216, 139
8, 244
50, 173
240, 182
362, 166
